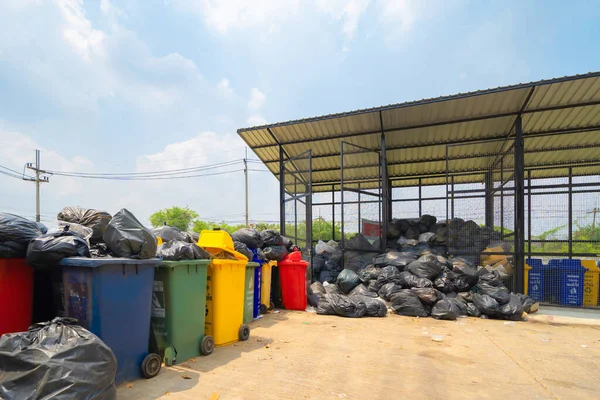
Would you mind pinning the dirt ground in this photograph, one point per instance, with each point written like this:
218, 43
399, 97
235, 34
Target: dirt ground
298, 355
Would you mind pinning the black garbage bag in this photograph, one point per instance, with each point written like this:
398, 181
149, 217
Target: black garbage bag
287, 243
428, 220
375, 307
473, 311
411, 281
428, 295
332, 289
358, 242
327, 275
461, 284
250, 237
243, 249
176, 250
425, 267
413, 232
395, 259
513, 310
348, 280
275, 253
386, 275
44, 252
467, 274
491, 278
54, 360
100, 250
529, 305
128, 238
318, 263
317, 288
445, 309
94, 219
422, 227
388, 290
270, 237
15, 234
168, 233
406, 302
466, 296
486, 304
313, 299
500, 294
444, 282
362, 291
195, 236
43, 228
358, 261
342, 305
369, 273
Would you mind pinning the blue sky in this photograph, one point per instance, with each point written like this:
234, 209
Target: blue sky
131, 85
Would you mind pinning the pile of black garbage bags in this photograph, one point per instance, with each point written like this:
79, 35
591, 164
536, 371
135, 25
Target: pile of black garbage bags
429, 285
269, 244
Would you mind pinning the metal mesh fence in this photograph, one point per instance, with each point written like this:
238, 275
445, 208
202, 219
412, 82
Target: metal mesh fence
297, 202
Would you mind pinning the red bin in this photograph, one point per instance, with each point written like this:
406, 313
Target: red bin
16, 295
292, 274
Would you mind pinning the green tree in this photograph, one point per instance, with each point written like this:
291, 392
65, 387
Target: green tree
177, 217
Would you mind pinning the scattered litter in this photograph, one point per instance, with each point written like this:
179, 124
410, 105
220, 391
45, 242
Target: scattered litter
214, 396
276, 312
437, 338
259, 317
167, 393
509, 323
268, 346
545, 340
311, 309
186, 377
425, 333
192, 360
306, 323
584, 346
341, 395
129, 385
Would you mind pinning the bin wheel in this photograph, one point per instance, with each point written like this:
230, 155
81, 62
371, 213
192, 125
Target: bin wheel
244, 332
263, 309
207, 345
151, 365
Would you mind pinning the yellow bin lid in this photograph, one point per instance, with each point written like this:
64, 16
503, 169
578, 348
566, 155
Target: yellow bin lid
217, 241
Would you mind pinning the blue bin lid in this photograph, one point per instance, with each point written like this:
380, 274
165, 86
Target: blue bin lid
98, 262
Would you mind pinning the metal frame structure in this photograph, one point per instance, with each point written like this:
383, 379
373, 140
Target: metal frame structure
551, 129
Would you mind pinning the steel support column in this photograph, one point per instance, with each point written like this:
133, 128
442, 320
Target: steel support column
385, 194
281, 192
570, 213
489, 199
333, 212
309, 215
519, 206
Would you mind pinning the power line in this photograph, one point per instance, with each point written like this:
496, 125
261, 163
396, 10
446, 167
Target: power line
149, 178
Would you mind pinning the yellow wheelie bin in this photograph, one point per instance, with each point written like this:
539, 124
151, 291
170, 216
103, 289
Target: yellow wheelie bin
224, 289
265, 296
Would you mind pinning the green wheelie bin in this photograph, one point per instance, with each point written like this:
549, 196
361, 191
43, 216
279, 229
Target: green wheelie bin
178, 310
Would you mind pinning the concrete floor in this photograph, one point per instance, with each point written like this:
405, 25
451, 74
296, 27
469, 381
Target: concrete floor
298, 355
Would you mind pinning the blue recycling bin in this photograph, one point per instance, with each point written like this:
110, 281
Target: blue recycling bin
257, 284
571, 279
536, 280
552, 281
112, 298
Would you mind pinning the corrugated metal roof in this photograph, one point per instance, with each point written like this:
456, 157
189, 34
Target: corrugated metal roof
418, 133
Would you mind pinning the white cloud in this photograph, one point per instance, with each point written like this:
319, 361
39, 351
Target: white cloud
78, 31
226, 15
224, 87
257, 99
109, 9
349, 11
401, 14
256, 120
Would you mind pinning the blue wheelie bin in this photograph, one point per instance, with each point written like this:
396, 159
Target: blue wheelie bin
112, 298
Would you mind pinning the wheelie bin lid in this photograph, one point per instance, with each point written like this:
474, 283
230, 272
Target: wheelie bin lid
98, 262
170, 264
218, 241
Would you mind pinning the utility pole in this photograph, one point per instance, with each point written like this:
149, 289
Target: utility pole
246, 177
38, 181
594, 211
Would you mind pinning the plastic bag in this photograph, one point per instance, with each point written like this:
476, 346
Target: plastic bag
94, 219
375, 307
473, 311
54, 360
195, 236
250, 237
332, 289
358, 242
490, 277
323, 247
43, 228
428, 220
168, 233
411, 281
500, 294
388, 290
412, 233
395, 259
406, 302
424, 237
275, 253
100, 250
44, 252
287, 243
486, 304
428, 295
176, 250
386, 275
425, 268
513, 310
313, 299
407, 242
342, 305
243, 249
529, 305
362, 291
15, 234
444, 282
80, 230
127, 237
317, 288
369, 273
348, 280
468, 274
270, 237
445, 309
